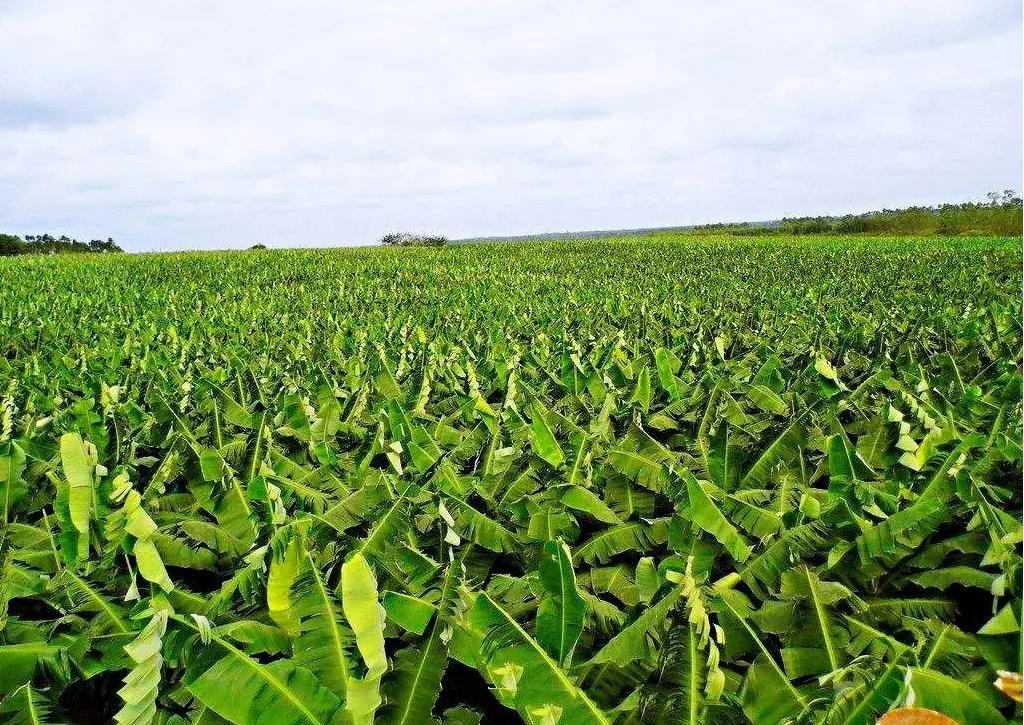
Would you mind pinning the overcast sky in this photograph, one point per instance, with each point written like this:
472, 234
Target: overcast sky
211, 124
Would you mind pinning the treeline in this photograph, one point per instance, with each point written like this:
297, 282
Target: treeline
11, 244
1000, 215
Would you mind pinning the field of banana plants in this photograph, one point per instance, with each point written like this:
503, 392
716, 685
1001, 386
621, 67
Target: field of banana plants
649, 480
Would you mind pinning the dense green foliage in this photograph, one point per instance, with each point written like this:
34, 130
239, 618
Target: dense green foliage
697, 480
12, 244
1001, 215
403, 239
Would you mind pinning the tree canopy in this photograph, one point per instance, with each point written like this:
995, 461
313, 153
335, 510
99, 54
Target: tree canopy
12, 244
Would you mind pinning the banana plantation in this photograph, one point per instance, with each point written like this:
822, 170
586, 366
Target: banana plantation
641, 480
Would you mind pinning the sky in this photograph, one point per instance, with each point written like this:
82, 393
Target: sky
195, 125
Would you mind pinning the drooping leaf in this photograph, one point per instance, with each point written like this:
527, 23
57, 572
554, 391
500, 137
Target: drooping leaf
561, 613
243, 691
524, 676
543, 440
706, 515
364, 613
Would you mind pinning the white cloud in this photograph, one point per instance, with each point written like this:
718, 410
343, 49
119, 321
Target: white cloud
199, 124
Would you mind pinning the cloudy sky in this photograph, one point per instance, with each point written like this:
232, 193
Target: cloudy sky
195, 124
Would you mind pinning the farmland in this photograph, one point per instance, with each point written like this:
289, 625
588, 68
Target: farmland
645, 480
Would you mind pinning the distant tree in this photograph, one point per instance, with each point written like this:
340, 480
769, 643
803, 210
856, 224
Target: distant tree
11, 244
258, 245
404, 239
103, 245
394, 239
